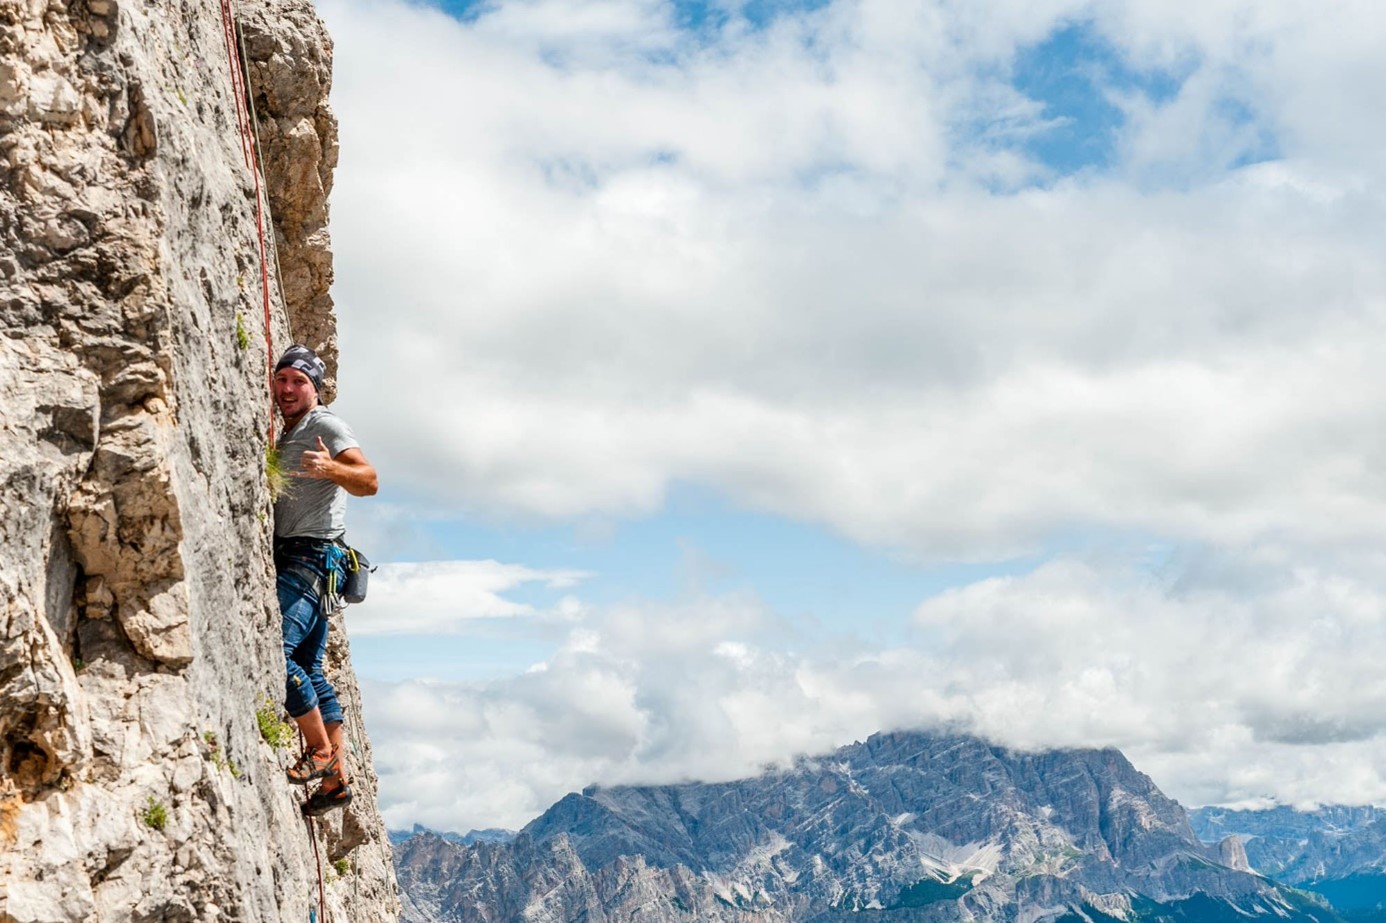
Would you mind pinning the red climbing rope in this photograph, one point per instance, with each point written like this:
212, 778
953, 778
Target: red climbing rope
249, 147
313, 838
322, 891
228, 28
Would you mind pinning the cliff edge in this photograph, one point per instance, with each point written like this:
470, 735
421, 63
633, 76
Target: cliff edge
139, 635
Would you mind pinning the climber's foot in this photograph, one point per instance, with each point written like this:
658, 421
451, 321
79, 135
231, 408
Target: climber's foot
327, 799
313, 764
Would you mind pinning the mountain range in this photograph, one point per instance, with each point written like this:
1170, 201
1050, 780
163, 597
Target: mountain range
906, 826
1336, 851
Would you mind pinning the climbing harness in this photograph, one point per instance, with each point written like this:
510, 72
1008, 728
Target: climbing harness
310, 560
323, 566
343, 575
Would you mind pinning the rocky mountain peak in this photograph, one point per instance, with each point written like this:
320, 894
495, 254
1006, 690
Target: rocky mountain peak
907, 825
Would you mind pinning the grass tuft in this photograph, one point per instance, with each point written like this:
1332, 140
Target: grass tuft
242, 334
278, 733
218, 756
276, 478
155, 815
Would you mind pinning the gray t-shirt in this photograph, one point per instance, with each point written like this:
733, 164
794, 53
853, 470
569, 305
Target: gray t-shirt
312, 507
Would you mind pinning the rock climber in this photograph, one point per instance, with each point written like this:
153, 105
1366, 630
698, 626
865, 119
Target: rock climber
324, 463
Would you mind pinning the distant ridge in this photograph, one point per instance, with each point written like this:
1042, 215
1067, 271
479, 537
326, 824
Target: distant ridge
1338, 851
490, 835
909, 826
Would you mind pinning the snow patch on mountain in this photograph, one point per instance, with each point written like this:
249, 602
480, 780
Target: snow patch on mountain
949, 862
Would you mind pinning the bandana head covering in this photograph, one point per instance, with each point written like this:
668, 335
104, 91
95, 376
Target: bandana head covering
304, 360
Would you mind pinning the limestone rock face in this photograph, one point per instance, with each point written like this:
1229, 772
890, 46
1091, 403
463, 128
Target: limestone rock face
1232, 853
139, 632
290, 59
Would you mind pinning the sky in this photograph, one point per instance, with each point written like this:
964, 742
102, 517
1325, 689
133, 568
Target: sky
745, 378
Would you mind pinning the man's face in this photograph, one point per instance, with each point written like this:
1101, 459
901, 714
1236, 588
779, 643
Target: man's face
294, 393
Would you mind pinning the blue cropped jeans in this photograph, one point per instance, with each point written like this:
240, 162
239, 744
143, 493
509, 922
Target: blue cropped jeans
305, 638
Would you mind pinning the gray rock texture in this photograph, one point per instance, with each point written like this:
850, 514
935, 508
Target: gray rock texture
138, 627
1302, 847
906, 826
289, 56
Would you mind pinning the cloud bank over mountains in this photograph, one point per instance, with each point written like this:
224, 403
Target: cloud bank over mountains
830, 263
1223, 692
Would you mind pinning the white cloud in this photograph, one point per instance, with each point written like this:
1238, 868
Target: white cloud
1096, 655
440, 597
582, 257
1221, 694
748, 263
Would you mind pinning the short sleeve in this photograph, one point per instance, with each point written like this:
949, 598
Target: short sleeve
336, 435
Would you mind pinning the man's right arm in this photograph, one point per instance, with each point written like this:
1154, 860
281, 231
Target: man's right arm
354, 474
349, 469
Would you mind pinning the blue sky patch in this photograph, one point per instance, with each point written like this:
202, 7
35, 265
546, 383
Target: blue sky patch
700, 546
1261, 145
464, 10
1074, 72
699, 16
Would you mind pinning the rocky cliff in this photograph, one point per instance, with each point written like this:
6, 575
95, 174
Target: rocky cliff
1330, 842
903, 827
138, 628
1338, 851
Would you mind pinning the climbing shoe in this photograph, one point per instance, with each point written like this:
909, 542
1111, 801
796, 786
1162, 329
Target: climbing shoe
312, 766
327, 799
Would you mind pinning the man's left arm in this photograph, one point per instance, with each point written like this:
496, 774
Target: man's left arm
348, 469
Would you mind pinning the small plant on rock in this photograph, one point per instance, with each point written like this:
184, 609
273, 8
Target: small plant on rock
155, 815
242, 334
276, 478
277, 733
218, 756
342, 867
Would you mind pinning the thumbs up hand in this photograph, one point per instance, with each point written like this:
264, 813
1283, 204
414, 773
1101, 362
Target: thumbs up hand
317, 463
